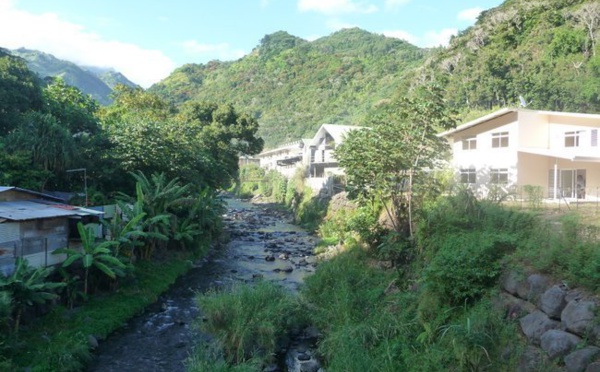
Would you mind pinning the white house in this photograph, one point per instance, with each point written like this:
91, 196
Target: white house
284, 159
314, 155
512, 147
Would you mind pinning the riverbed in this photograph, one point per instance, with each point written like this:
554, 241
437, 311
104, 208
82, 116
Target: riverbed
262, 244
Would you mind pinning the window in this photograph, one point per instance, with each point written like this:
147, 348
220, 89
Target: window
594, 139
469, 143
499, 139
468, 175
499, 176
572, 139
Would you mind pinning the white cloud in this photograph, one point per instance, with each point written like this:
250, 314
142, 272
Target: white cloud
429, 39
437, 38
391, 4
49, 33
469, 15
403, 35
222, 51
336, 6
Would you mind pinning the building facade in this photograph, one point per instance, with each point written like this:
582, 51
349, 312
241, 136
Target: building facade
511, 148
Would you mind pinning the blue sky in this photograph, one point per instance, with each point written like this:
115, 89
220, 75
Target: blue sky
147, 39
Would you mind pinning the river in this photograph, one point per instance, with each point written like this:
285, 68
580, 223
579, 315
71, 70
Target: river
262, 244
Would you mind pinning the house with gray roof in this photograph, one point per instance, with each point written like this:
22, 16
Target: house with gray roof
33, 225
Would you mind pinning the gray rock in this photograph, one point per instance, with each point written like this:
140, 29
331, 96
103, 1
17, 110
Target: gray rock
578, 360
552, 302
578, 316
557, 343
92, 341
288, 269
536, 324
512, 306
593, 367
515, 283
538, 284
532, 359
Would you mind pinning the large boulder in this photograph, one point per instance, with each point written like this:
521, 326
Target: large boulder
532, 360
537, 323
578, 360
578, 316
538, 284
552, 302
515, 283
557, 343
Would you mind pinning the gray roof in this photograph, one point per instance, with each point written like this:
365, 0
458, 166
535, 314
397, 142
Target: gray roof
23, 210
31, 192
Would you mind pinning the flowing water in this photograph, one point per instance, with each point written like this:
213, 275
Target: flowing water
262, 244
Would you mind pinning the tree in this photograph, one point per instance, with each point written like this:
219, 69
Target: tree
223, 133
20, 92
50, 146
389, 161
588, 15
28, 286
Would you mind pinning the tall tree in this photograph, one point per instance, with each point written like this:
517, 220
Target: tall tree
20, 92
390, 161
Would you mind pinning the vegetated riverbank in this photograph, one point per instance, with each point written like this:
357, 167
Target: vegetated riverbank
63, 339
258, 246
437, 304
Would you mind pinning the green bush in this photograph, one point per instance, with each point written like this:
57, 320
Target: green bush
467, 265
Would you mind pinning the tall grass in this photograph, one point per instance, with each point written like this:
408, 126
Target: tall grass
249, 322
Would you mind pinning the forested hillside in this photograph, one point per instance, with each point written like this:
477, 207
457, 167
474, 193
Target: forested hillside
292, 86
94, 81
544, 50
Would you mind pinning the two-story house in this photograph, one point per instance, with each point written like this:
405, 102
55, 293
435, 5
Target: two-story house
511, 147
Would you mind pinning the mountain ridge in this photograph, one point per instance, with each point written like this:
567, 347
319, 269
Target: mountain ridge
96, 81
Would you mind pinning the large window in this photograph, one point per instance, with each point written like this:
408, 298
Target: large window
469, 143
499, 139
468, 175
499, 176
572, 139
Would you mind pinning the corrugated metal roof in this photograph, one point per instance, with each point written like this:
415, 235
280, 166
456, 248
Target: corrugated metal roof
23, 210
31, 192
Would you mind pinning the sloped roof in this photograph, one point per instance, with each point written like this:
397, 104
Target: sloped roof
483, 119
30, 192
336, 131
23, 210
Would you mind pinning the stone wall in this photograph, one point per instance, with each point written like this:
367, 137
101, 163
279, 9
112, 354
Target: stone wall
559, 323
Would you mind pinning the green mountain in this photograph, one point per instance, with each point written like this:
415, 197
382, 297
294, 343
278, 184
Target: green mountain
97, 82
292, 86
545, 51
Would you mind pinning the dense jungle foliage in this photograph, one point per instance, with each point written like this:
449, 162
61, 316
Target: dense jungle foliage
293, 86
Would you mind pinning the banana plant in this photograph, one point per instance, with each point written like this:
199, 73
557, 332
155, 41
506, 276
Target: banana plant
93, 255
28, 286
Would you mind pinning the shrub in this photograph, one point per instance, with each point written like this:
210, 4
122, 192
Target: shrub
467, 265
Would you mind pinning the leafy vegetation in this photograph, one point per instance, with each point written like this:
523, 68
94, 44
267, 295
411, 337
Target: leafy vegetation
248, 321
292, 86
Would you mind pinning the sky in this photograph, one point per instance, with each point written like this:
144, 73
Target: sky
146, 40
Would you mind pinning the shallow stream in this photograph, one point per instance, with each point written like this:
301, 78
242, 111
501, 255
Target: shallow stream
263, 243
